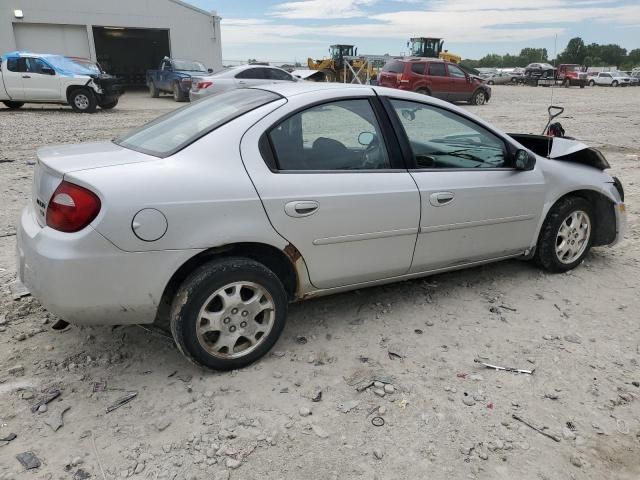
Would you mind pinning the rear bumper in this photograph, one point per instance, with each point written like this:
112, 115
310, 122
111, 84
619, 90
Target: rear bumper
198, 94
84, 279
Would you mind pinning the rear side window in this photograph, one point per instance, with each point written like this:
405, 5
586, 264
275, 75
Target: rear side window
417, 68
437, 70
174, 131
275, 74
253, 73
394, 67
13, 64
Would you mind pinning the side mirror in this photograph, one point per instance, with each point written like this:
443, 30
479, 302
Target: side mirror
366, 138
210, 70
47, 71
524, 160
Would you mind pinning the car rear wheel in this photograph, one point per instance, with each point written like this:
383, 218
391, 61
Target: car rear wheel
479, 98
13, 105
566, 236
83, 100
423, 91
153, 90
177, 93
228, 313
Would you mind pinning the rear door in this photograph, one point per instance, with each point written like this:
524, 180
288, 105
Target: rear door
438, 80
332, 182
40, 81
276, 75
251, 77
475, 205
460, 89
12, 77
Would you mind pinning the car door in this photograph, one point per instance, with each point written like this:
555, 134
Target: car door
333, 185
438, 80
12, 77
604, 79
460, 88
40, 81
475, 205
276, 75
251, 77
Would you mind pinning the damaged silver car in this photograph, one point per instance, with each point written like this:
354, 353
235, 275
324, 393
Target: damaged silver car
214, 217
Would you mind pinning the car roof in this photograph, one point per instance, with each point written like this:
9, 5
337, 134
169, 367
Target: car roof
290, 89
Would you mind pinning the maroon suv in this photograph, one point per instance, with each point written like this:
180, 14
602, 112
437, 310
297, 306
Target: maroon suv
438, 78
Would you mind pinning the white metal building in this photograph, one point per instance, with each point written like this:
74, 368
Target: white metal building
126, 36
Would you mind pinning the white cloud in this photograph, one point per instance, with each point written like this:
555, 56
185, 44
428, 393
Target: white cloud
321, 9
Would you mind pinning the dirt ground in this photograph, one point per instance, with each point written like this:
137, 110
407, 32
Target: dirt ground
298, 413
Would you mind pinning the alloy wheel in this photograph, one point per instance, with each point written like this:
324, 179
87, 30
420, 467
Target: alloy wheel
573, 237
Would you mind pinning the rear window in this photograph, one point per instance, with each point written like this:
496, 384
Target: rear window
417, 68
437, 70
172, 132
394, 67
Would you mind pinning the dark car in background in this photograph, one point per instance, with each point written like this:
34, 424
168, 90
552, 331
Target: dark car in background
540, 70
434, 77
175, 77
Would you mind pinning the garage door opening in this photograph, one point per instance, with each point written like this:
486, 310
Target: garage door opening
130, 52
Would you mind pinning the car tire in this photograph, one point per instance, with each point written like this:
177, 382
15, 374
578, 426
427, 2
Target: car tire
479, 97
82, 100
592, 83
153, 90
109, 105
13, 105
222, 290
490, 82
178, 96
566, 235
423, 91
614, 83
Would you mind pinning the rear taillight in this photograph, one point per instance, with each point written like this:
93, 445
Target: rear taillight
202, 85
72, 208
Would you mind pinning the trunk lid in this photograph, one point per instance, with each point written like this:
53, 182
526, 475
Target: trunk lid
55, 161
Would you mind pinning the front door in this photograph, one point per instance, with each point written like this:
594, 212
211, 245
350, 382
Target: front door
333, 188
460, 87
438, 80
40, 81
475, 206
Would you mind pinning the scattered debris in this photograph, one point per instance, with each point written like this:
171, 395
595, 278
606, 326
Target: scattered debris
122, 401
573, 338
539, 430
506, 369
346, 407
99, 386
60, 325
378, 453
319, 431
163, 424
81, 475
300, 340
29, 460
56, 419
304, 412
318, 397
9, 438
377, 421
49, 397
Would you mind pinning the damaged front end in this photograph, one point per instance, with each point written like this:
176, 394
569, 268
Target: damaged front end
108, 85
563, 149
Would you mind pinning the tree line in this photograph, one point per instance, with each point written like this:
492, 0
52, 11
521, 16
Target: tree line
591, 55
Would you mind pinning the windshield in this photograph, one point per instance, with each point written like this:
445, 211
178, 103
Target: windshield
70, 66
188, 65
573, 68
174, 131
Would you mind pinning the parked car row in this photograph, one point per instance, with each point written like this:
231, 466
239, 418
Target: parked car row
28, 77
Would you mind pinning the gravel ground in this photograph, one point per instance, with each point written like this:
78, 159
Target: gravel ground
298, 412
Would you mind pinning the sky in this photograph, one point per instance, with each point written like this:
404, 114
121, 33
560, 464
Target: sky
286, 31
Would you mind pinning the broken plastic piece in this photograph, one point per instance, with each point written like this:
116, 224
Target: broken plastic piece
506, 369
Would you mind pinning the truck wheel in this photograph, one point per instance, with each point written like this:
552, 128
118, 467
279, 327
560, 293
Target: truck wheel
13, 105
566, 235
228, 313
82, 100
478, 98
109, 105
153, 90
178, 96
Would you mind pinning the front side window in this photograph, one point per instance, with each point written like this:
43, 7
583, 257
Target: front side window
437, 70
442, 139
457, 72
35, 65
341, 135
174, 131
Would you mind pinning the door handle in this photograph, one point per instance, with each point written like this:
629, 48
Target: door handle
242, 83
301, 208
26, 76
440, 199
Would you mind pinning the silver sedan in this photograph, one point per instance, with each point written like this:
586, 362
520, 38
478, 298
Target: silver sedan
212, 218
243, 76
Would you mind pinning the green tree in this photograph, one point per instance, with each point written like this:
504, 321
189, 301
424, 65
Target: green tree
533, 55
574, 53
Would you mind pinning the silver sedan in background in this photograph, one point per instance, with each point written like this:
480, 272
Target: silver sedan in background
213, 217
243, 76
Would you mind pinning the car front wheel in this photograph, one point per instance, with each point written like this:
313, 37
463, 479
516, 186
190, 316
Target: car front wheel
83, 100
228, 313
566, 236
479, 98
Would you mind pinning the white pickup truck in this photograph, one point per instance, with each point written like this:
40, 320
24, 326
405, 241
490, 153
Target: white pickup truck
44, 78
